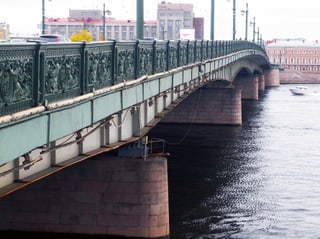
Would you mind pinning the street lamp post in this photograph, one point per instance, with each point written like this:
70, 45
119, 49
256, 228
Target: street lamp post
212, 21
43, 23
246, 12
104, 22
108, 12
43, 18
254, 29
234, 20
140, 19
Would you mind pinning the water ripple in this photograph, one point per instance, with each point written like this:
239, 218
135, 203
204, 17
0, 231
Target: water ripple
257, 181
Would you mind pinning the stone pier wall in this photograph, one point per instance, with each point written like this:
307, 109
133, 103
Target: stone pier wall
272, 77
209, 106
297, 77
105, 195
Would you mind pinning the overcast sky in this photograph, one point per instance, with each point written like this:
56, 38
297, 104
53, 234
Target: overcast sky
275, 18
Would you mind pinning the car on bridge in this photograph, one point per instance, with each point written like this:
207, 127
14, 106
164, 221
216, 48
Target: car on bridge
53, 38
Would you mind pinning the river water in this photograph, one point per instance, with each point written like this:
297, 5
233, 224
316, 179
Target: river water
259, 180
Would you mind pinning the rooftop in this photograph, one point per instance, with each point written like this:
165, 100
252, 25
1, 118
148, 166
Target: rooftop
293, 42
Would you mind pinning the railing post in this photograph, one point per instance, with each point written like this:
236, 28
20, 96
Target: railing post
154, 55
137, 64
84, 61
39, 78
187, 52
178, 52
113, 64
168, 55
36, 75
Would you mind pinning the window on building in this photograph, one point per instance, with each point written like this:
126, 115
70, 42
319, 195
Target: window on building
131, 32
124, 32
170, 30
178, 27
162, 22
109, 30
116, 32
187, 14
153, 31
62, 29
187, 23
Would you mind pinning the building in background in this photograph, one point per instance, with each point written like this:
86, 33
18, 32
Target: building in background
295, 54
4, 31
198, 25
92, 20
172, 17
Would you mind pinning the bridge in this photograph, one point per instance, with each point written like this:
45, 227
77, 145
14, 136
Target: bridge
62, 104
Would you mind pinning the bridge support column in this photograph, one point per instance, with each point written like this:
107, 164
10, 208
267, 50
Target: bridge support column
209, 105
249, 86
261, 83
272, 77
105, 195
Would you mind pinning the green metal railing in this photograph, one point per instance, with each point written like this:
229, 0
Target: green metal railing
34, 74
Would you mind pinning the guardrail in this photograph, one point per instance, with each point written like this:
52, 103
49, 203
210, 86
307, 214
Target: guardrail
36, 73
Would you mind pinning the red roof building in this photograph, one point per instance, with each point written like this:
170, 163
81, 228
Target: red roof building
295, 54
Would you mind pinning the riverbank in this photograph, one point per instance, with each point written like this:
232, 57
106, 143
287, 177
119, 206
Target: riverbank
297, 77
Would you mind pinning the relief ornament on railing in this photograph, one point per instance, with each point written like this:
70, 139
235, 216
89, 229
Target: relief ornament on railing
126, 64
173, 61
15, 81
62, 74
99, 68
145, 61
161, 60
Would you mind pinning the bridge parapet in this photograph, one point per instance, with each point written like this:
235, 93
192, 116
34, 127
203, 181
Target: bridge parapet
36, 74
